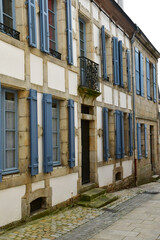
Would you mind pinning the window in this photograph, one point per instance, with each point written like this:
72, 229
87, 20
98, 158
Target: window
52, 25
117, 62
55, 132
142, 147
82, 37
151, 80
139, 72
9, 131
119, 119
7, 15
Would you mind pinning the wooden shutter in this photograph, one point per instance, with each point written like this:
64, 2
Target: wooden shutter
0, 135
33, 132
148, 78
115, 61
44, 26
32, 23
104, 60
71, 133
130, 135
145, 139
69, 32
139, 152
47, 133
128, 71
154, 84
120, 50
105, 134
141, 74
118, 134
137, 71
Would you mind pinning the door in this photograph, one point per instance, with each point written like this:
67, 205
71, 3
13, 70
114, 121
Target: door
85, 152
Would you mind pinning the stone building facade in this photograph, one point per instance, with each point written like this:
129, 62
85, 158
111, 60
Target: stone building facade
78, 105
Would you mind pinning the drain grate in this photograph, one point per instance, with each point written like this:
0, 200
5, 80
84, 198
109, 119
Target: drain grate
110, 210
147, 192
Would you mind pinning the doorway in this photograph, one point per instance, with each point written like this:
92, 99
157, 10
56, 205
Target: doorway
85, 151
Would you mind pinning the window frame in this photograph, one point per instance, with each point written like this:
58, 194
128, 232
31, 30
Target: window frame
58, 162
13, 14
14, 169
54, 27
84, 38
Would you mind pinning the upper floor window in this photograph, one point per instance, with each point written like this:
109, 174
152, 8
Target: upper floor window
82, 37
7, 15
9, 131
52, 24
139, 72
151, 80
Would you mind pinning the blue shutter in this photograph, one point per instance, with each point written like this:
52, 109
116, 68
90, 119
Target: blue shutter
130, 135
33, 132
145, 139
44, 26
71, 133
137, 71
69, 32
118, 134
122, 135
148, 78
32, 23
141, 74
105, 134
120, 50
115, 61
139, 152
128, 71
47, 133
104, 60
154, 84
0, 135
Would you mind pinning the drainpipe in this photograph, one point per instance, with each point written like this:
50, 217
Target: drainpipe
134, 118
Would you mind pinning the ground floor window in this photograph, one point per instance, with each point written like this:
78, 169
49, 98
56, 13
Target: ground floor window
56, 132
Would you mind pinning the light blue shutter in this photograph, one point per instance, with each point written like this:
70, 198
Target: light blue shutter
69, 32
122, 135
139, 152
120, 50
104, 60
32, 23
44, 26
137, 71
71, 133
148, 78
145, 139
116, 61
105, 134
154, 84
0, 135
47, 133
128, 71
118, 134
33, 132
141, 74
130, 135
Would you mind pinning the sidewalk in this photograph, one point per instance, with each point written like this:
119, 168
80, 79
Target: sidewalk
83, 223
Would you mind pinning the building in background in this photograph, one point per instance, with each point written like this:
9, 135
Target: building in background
78, 103
121, 3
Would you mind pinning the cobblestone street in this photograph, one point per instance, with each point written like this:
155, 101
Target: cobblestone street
135, 215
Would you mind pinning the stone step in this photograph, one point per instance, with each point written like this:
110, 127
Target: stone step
91, 194
99, 201
87, 187
155, 178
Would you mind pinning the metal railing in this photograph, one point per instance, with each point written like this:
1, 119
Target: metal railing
9, 31
55, 53
89, 74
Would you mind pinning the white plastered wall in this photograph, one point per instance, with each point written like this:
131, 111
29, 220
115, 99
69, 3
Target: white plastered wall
100, 97
86, 4
95, 12
63, 188
122, 100
36, 70
72, 83
115, 97
10, 204
129, 103
99, 138
107, 95
104, 20
127, 168
74, 52
38, 185
40, 138
105, 175
56, 77
11, 61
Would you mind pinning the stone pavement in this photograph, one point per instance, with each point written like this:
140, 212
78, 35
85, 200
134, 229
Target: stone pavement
136, 215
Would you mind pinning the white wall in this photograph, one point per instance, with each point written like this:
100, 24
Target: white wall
95, 11
11, 61
10, 204
36, 70
115, 97
38, 185
105, 175
63, 188
72, 83
56, 77
40, 138
107, 95
104, 20
122, 100
129, 102
127, 168
100, 97
86, 4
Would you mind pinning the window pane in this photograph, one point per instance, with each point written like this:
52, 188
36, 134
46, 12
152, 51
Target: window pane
7, 7
51, 5
54, 110
10, 120
51, 19
52, 45
54, 139
10, 140
55, 155
52, 34
10, 159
